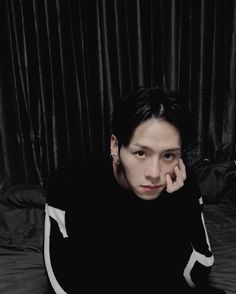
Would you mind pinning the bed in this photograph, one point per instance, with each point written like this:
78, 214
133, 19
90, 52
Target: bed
221, 224
22, 269
217, 181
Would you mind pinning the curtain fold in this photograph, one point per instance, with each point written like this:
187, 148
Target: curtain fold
65, 63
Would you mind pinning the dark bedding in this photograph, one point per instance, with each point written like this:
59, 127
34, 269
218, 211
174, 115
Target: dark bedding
21, 241
221, 224
22, 268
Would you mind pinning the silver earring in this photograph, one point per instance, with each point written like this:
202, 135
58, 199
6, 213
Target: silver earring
115, 159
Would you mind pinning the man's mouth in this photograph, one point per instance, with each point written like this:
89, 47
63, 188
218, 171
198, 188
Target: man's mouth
151, 187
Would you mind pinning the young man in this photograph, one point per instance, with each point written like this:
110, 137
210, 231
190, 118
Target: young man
133, 223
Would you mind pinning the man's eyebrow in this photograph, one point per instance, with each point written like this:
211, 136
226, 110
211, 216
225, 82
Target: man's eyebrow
174, 149
140, 146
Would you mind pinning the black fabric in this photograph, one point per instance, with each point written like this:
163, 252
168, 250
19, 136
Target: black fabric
63, 65
217, 179
200, 274
221, 224
25, 195
117, 240
206, 290
22, 269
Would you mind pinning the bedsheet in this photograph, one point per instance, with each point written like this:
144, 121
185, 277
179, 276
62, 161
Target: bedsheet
220, 221
22, 269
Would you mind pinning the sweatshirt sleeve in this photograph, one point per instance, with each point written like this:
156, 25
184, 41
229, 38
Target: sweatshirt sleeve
197, 270
59, 191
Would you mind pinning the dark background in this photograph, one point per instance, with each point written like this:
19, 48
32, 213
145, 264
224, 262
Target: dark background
64, 63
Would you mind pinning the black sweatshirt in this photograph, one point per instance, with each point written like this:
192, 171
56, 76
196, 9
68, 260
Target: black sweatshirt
115, 241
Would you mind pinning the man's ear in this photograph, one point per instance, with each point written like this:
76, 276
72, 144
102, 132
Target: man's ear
114, 146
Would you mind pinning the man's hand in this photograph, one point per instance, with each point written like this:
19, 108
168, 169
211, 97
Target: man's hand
180, 177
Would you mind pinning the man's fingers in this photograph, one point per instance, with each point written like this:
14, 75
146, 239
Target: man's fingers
180, 177
182, 169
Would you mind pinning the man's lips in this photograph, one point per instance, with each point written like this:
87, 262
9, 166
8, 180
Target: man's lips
151, 187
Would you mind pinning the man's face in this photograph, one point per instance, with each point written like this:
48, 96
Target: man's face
153, 152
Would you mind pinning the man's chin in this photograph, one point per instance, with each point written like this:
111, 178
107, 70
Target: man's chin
148, 196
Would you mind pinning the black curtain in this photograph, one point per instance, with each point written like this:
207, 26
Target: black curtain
64, 63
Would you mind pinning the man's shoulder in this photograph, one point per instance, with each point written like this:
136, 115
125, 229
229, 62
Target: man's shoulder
79, 167
75, 178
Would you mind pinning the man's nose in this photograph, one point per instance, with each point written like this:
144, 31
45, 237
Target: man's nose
153, 169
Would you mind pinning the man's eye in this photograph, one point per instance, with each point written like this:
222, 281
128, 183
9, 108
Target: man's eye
140, 153
169, 156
